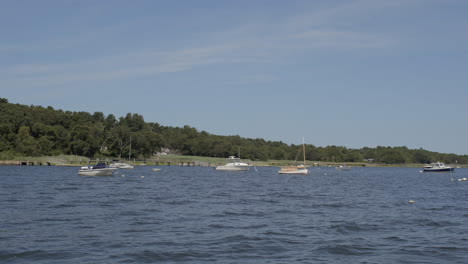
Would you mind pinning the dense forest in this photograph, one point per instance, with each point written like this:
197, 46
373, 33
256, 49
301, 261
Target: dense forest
43, 131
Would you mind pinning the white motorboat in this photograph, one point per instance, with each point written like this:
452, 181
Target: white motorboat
299, 169
99, 169
234, 164
437, 167
343, 168
121, 165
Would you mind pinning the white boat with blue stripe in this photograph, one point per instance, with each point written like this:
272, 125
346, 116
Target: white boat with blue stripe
437, 167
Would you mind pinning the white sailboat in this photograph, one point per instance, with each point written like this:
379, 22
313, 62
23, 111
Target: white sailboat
299, 169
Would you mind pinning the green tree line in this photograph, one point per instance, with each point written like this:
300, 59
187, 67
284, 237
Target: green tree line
42, 131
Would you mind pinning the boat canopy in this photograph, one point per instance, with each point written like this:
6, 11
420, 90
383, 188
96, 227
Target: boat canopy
99, 166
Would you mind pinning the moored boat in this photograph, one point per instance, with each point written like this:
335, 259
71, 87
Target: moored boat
234, 164
343, 167
298, 169
121, 165
99, 169
437, 167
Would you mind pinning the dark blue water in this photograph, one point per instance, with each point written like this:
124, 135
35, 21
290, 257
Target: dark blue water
199, 215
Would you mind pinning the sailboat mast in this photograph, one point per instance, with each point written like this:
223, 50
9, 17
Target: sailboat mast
130, 151
303, 149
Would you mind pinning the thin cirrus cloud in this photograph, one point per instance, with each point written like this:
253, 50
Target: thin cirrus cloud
349, 12
261, 42
120, 66
342, 39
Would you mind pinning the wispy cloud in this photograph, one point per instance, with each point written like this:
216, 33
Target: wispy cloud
342, 39
259, 42
120, 66
9, 48
347, 13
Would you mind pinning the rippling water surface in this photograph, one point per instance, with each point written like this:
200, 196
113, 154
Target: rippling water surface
199, 215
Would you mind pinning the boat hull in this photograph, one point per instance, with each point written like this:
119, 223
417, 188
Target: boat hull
293, 170
233, 168
438, 170
97, 172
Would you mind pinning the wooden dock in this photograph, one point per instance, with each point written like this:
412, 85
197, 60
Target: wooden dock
25, 163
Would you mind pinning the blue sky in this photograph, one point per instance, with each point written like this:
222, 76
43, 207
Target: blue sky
355, 73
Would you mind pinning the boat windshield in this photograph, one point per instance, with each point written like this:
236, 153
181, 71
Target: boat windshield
99, 166
233, 159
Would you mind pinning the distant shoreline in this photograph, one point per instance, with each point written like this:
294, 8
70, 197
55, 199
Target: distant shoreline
178, 160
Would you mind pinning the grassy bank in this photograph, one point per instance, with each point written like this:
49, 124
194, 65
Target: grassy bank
71, 160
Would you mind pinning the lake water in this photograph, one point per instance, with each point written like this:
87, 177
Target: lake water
199, 215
